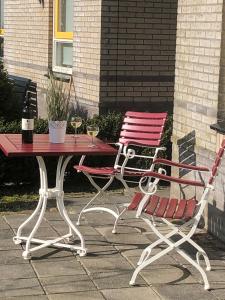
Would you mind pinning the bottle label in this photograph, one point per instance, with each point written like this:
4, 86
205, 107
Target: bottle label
27, 124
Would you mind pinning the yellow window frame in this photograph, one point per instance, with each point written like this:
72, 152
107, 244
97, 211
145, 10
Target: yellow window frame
60, 34
2, 31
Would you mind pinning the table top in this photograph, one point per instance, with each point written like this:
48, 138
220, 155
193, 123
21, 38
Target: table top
11, 145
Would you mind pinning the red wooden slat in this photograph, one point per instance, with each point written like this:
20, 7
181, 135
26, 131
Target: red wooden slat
159, 212
140, 135
96, 171
171, 208
190, 209
142, 128
152, 143
214, 170
146, 115
152, 205
135, 201
180, 209
147, 122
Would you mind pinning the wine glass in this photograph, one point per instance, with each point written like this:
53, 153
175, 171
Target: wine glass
75, 122
92, 130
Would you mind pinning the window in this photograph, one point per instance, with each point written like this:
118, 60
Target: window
1, 27
63, 36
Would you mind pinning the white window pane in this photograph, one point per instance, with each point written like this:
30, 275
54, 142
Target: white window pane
64, 54
1, 14
66, 16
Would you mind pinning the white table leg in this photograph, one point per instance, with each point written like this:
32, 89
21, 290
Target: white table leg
45, 193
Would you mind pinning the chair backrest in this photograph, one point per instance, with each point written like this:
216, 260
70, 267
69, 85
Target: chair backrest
217, 162
144, 128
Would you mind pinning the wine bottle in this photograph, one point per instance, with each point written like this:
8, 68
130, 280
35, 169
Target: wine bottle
27, 121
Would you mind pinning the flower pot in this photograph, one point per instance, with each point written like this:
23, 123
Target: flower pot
57, 131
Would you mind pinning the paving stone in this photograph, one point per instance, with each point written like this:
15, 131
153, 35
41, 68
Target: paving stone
30, 297
89, 295
52, 254
59, 268
8, 244
96, 240
15, 220
100, 251
183, 291
8, 257
42, 232
126, 239
109, 264
121, 229
111, 280
164, 274
20, 287
17, 271
99, 218
6, 234
130, 250
3, 224
67, 284
134, 293
61, 227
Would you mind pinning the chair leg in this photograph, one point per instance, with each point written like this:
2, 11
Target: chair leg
100, 193
148, 262
197, 266
117, 219
147, 251
200, 251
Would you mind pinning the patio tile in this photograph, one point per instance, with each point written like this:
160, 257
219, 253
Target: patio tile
89, 295
15, 220
41, 232
20, 287
109, 264
9, 257
8, 244
59, 268
183, 291
30, 297
125, 238
52, 254
134, 293
164, 274
130, 250
99, 218
17, 271
6, 234
112, 280
67, 284
61, 228
100, 251
3, 224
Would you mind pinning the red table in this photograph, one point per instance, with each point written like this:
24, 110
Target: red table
11, 145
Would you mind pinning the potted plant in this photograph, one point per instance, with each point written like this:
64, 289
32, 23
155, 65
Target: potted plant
57, 99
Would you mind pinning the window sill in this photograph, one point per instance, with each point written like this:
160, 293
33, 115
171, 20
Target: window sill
60, 76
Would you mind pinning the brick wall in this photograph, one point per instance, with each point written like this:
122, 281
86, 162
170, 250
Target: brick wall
28, 40
86, 56
124, 54
197, 87
124, 51
138, 54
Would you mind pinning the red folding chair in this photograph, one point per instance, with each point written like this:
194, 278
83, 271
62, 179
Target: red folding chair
139, 130
189, 211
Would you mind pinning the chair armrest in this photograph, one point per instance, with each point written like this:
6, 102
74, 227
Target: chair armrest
144, 144
173, 179
179, 165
